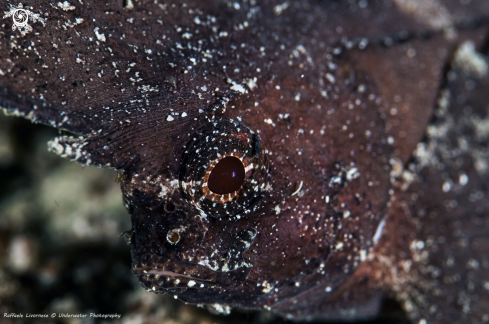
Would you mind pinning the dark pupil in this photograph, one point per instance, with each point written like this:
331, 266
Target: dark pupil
227, 176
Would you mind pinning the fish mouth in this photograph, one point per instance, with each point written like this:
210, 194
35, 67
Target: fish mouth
167, 275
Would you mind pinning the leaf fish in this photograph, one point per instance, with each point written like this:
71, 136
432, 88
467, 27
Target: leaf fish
305, 157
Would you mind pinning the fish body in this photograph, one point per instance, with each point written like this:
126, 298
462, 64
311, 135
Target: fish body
363, 172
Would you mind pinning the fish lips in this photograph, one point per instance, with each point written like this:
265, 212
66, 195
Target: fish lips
165, 275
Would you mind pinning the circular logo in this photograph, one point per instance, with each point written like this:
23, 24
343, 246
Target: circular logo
20, 17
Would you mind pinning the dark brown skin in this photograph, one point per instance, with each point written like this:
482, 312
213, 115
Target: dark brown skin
325, 103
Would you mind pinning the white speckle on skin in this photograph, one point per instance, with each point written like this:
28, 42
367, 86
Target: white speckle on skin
378, 231
277, 209
298, 189
187, 35
236, 87
100, 36
330, 78
66, 6
267, 287
169, 118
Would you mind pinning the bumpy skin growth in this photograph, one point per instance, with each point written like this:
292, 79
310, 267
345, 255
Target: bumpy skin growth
346, 196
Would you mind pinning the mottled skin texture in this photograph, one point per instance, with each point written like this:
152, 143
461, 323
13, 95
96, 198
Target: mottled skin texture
328, 99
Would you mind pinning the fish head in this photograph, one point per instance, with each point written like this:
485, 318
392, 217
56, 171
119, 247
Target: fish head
273, 192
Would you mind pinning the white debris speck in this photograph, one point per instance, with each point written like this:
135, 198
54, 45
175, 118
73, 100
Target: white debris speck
221, 309
298, 189
463, 179
470, 61
100, 37
129, 5
269, 121
236, 87
486, 285
416, 245
184, 114
170, 118
191, 283
267, 287
65, 6
432, 14
363, 255
446, 186
251, 83
21, 254
277, 209
223, 34
278, 9
352, 174
378, 231
330, 78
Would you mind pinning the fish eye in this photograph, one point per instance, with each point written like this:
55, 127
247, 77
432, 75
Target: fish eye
227, 176
224, 169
